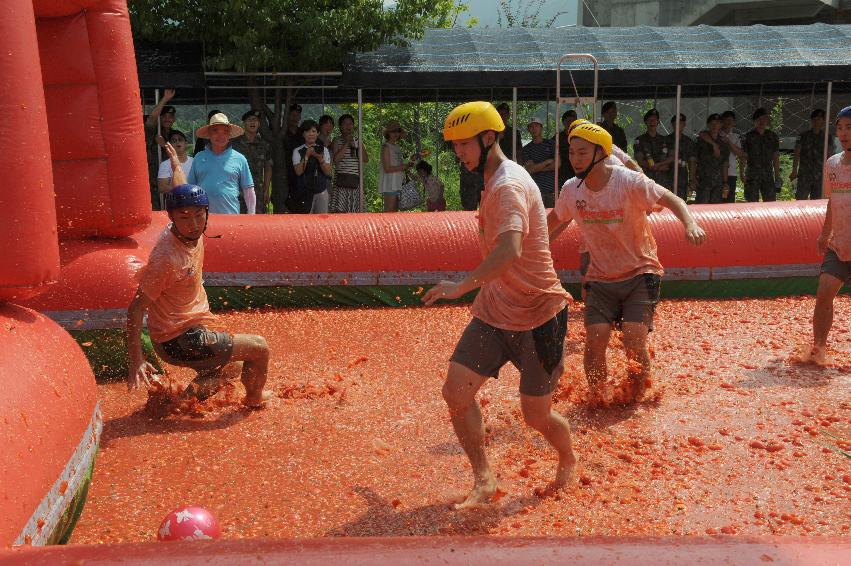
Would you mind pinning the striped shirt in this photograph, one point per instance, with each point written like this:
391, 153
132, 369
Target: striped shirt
349, 162
538, 152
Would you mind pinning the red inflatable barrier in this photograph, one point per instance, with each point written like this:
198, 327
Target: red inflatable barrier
96, 135
764, 249
494, 551
49, 428
30, 258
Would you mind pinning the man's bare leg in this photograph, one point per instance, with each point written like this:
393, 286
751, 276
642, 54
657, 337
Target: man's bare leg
539, 414
253, 351
828, 287
596, 372
459, 391
635, 344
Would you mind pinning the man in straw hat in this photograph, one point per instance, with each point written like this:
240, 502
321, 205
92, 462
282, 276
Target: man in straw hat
221, 170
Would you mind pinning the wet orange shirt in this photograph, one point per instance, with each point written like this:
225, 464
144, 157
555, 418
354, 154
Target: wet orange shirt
172, 280
837, 187
613, 223
529, 293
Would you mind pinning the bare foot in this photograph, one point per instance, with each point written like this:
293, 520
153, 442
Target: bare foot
481, 494
565, 474
265, 395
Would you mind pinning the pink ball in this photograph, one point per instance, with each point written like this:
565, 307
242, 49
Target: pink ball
189, 523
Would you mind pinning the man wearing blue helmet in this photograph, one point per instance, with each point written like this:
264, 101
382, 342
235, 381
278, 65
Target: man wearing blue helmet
171, 291
835, 239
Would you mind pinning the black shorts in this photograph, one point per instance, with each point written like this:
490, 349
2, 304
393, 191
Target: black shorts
197, 348
633, 300
537, 353
836, 267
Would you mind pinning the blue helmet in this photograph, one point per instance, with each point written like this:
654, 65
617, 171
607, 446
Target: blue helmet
186, 195
844, 113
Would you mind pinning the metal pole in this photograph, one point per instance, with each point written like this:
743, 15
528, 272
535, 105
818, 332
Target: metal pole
513, 123
827, 123
677, 142
159, 149
360, 143
558, 99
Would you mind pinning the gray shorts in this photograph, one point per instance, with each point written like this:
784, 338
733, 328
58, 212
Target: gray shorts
633, 300
836, 267
197, 348
537, 353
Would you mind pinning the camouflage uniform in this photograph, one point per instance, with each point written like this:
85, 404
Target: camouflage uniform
760, 170
687, 152
811, 164
258, 153
711, 171
655, 150
617, 133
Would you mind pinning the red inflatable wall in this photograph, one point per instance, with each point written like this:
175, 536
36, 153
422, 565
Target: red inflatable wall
94, 114
30, 258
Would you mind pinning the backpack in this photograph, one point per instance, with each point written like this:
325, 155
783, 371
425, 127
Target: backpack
313, 181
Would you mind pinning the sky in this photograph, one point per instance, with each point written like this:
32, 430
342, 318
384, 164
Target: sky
486, 10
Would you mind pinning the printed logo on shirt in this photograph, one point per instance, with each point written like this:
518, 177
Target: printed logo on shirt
581, 204
602, 216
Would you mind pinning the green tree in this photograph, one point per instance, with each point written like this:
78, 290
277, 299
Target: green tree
528, 16
287, 35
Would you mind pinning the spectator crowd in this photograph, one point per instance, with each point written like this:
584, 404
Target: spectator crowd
234, 164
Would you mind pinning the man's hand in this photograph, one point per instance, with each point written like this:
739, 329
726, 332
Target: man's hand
695, 234
140, 373
172, 156
822, 242
168, 94
443, 290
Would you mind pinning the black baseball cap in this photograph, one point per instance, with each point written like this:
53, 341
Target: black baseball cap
712, 117
816, 113
674, 118
759, 113
250, 114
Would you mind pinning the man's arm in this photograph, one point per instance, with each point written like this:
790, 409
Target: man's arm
795, 161
509, 246
267, 178
826, 231
178, 177
151, 121
776, 160
555, 226
139, 371
675, 204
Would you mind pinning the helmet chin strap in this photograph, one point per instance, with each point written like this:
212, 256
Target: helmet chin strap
594, 162
483, 156
203, 232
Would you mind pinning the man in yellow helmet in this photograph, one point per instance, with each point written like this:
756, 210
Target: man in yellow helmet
520, 313
610, 205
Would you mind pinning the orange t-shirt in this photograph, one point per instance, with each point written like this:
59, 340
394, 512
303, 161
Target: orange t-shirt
837, 187
613, 223
529, 293
172, 280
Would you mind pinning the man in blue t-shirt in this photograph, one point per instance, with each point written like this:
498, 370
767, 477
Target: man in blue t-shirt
221, 170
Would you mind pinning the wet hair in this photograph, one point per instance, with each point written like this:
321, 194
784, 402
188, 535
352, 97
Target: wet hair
424, 166
326, 119
308, 125
608, 106
345, 117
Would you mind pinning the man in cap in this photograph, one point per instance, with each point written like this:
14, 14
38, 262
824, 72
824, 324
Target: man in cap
610, 113
713, 159
539, 161
652, 152
808, 164
222, 171
506, 141
687, 164
258, 153
157, 133
520, 312
762, 146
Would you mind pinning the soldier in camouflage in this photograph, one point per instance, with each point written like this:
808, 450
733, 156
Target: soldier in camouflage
762, 146
712, 162
258, 153
687, 161
808, 163
652, 152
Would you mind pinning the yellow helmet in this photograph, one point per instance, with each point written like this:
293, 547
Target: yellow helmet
592, 133
471, 119
575, 123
